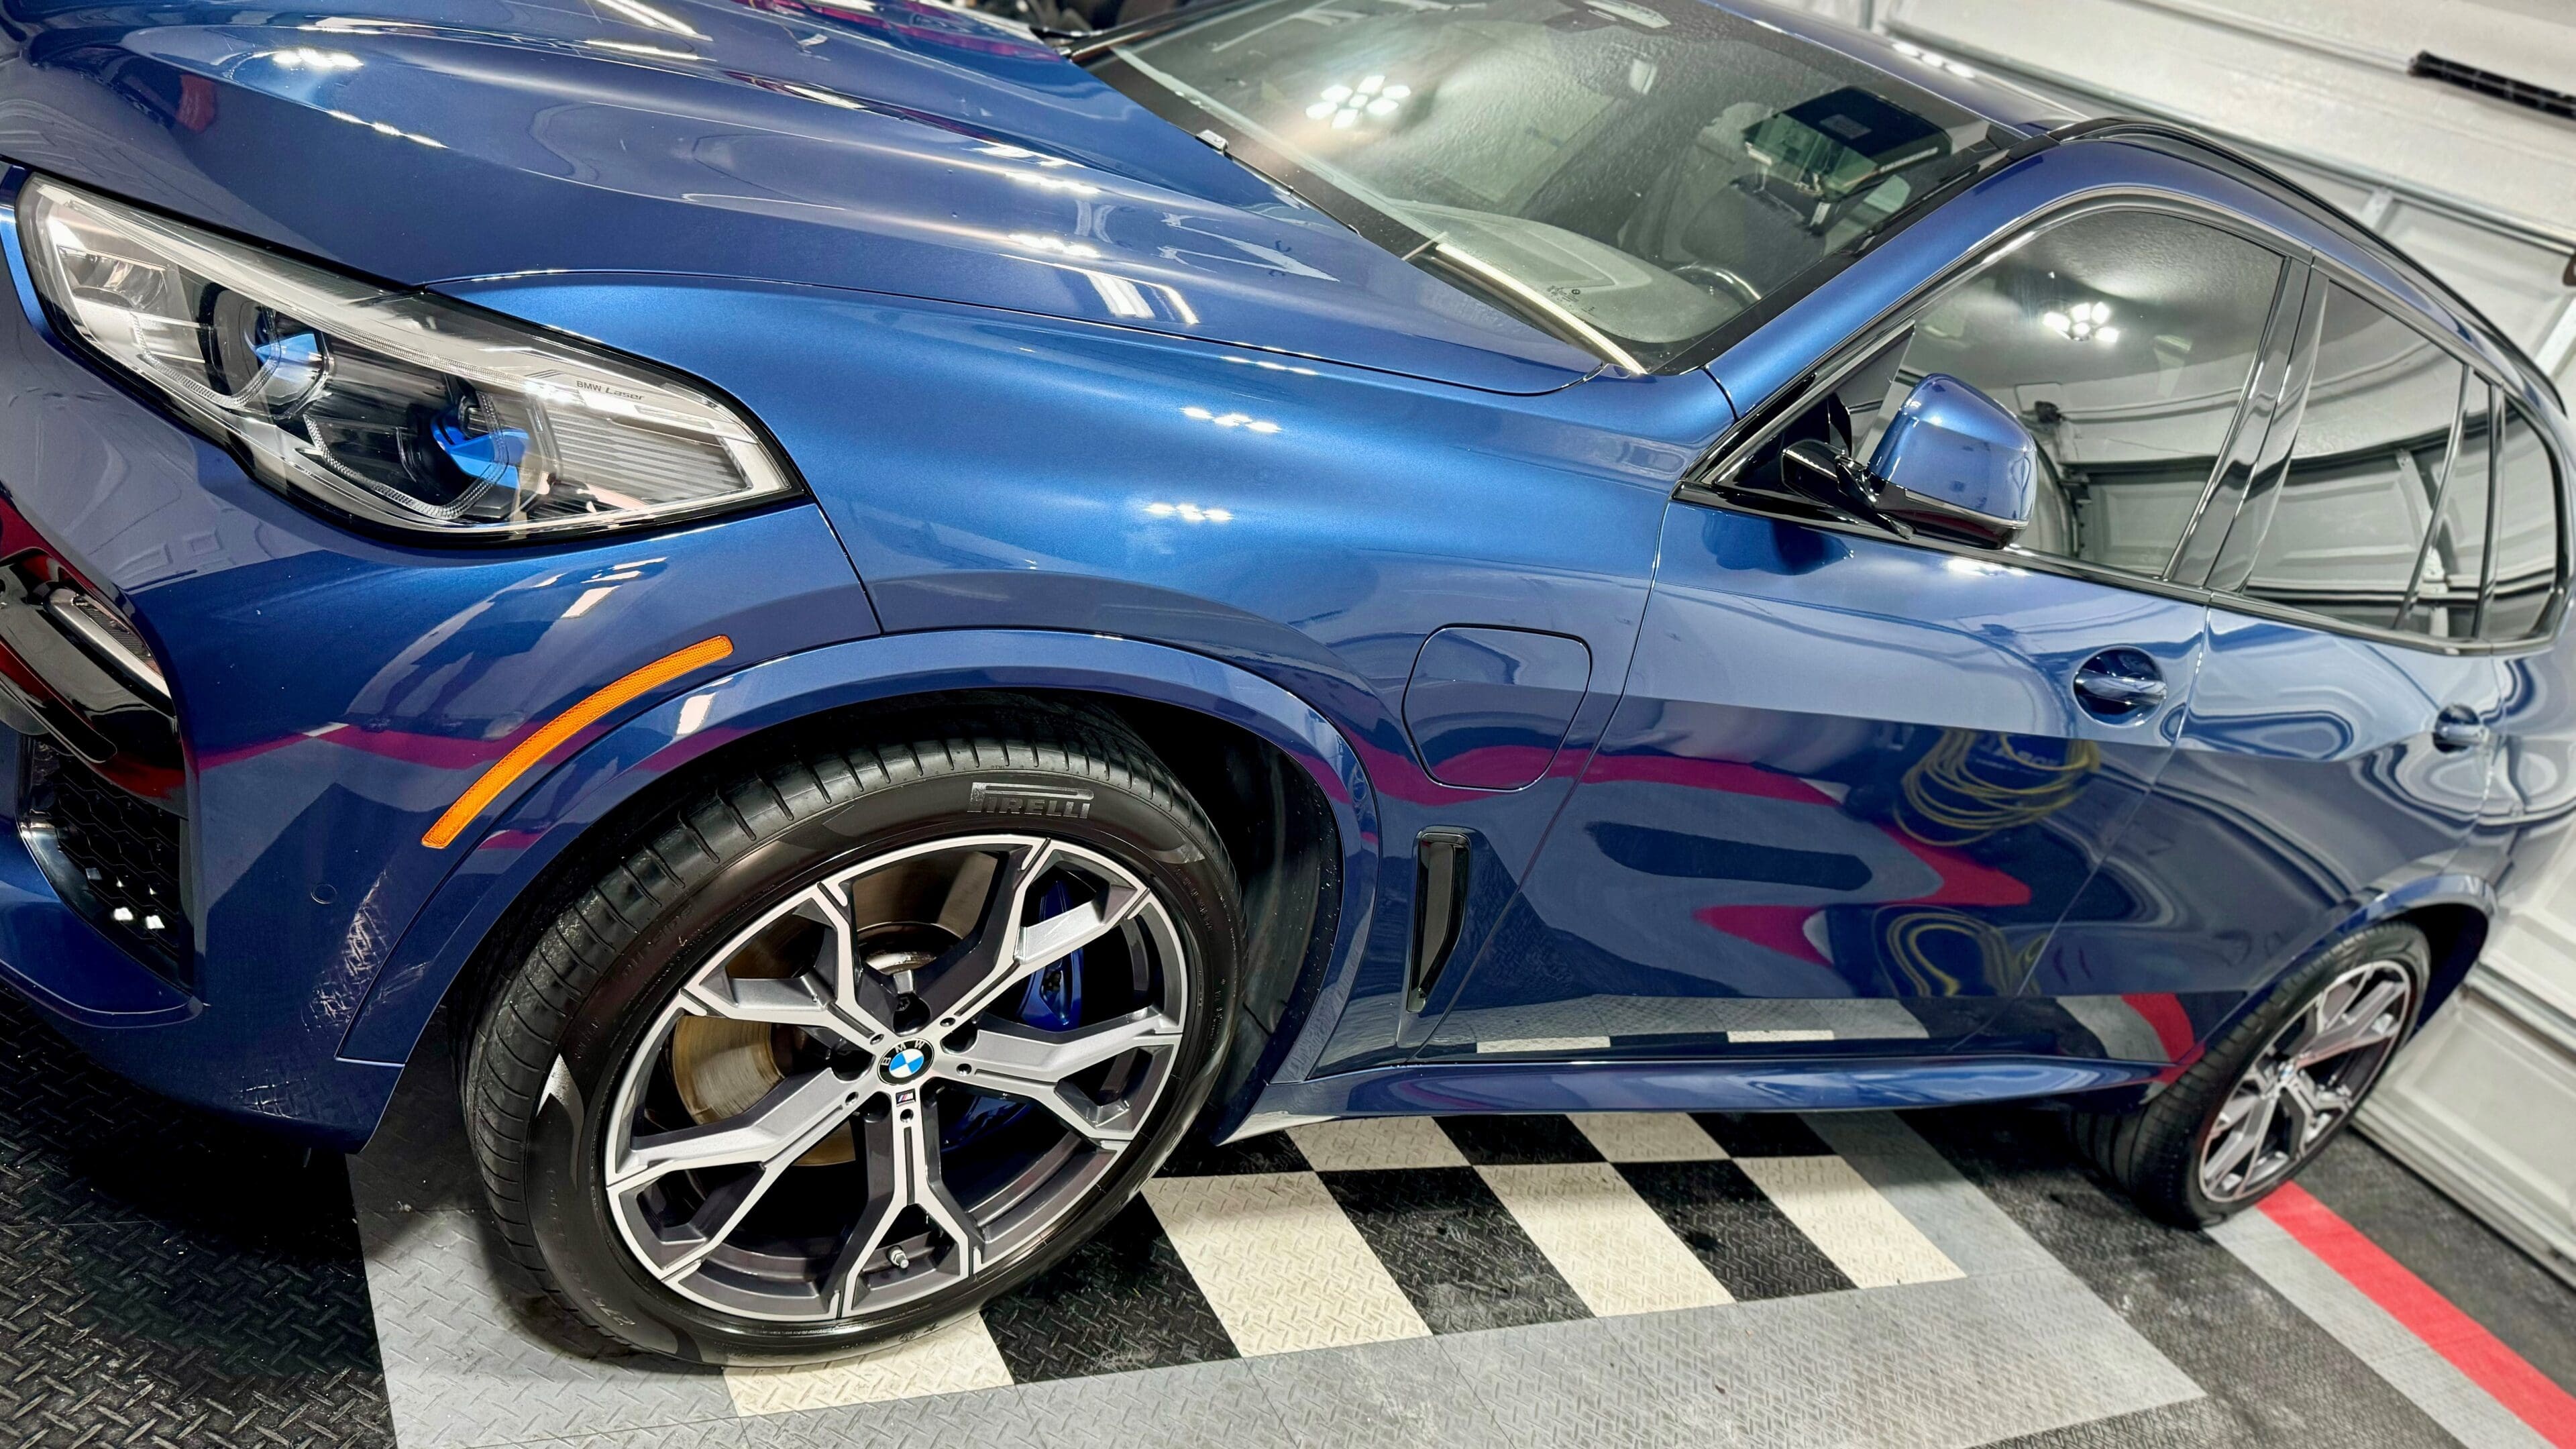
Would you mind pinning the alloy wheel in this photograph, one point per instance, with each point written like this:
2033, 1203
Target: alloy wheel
2305, 1082
898, 1078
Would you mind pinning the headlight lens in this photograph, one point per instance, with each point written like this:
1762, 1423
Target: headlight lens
395, 407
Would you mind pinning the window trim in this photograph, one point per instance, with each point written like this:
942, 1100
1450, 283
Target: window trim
2325, 269
1736, 445
2553, 615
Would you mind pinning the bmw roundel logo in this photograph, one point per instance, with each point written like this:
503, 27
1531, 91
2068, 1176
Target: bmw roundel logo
907, 1061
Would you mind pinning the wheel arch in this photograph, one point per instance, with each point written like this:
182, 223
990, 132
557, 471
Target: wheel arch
1288, 790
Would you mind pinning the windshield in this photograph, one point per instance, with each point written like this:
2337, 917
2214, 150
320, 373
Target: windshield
1631, 174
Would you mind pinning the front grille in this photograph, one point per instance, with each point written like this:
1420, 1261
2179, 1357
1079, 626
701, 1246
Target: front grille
110, 856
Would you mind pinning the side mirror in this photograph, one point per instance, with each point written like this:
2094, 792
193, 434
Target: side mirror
1957, 464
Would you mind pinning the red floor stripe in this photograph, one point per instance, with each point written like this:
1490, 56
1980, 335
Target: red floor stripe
2530, 1394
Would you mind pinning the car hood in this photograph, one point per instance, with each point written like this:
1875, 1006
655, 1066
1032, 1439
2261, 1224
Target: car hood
883, 145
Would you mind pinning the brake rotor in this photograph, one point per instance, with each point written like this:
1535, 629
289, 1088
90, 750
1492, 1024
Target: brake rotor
721, 1067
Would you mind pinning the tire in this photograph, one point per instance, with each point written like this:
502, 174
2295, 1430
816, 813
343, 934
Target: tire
691, 1007
2170, 1155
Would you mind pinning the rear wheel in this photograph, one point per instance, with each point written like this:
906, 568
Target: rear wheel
849, 1047
2273, 1090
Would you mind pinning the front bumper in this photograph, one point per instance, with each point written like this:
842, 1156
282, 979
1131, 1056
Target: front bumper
334, 694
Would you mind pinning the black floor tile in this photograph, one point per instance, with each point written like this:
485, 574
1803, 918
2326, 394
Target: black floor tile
1518, 1141
2486, 1277
1122, 1301
1454, 1249
1270, 1152
1735, 1229
2273, 1375
168, 1278
1762, 1134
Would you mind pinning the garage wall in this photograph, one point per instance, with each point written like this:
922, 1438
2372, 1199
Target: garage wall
2484, 192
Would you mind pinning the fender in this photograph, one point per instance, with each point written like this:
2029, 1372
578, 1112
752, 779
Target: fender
508, 857
2475, 892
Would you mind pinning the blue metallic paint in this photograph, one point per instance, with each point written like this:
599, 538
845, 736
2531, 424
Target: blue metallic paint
609, 770
1088, 406
1488, 708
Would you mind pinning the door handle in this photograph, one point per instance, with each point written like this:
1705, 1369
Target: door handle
2458, 728
2119, 684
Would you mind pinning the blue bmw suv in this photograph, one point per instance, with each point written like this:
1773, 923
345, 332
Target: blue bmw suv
883, 613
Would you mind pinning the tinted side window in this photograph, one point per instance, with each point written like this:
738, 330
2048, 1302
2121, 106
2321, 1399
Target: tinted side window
2357, 501
2527, 530
2455, 557
2124, 340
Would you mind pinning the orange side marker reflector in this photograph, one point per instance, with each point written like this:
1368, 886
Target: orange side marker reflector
563, 727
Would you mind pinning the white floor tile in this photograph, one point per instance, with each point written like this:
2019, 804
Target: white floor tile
1873, 1243
1648, 1136
1361, 1143
948, 1360
1615, 1251
1280, 1263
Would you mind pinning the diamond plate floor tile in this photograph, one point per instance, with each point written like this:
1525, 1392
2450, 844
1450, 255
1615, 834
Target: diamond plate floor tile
2204, 1310
1762, 1134
1269, 1152
1746, 1241
1362, 1143
1453, 1248
1280, 1263
167, 1278
1848, 1221
1518, 1141
474, 1356
1940, 1364
131, 1333
1647, 1136
1121, 1301
1615, 1251
950, 1359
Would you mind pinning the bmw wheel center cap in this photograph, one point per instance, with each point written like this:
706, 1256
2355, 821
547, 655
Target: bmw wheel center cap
905, 1061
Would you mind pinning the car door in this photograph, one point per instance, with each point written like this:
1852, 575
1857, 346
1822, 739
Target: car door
2340, 742
1854, 779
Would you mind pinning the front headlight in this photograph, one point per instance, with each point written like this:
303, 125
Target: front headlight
395, 407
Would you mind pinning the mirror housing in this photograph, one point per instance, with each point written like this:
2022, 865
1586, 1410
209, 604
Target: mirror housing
1956, 464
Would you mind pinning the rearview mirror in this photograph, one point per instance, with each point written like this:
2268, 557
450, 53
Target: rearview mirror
1956, 464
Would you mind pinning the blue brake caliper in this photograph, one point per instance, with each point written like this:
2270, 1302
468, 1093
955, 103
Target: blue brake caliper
1052, 1002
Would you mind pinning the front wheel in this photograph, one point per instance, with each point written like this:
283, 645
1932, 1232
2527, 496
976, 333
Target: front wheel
857, 1043
2274, 1089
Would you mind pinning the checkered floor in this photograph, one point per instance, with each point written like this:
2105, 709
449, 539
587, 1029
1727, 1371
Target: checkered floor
1371, 1231
1946, 1280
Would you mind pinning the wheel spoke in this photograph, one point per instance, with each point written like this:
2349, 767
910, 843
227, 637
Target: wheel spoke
1002, 953
902, 1151
2244, 1140
825, 1000
1034, 1065
769, 1135
2366, 1022
936, 938
779, 1127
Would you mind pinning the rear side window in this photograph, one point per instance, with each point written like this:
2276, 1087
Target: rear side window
2124, 340
2455, 556
2528, 530
2348, 528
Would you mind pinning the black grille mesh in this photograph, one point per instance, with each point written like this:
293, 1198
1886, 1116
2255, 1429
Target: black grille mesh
111, 857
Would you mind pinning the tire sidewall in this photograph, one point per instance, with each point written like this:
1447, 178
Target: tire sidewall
568, 1205
2399, 943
